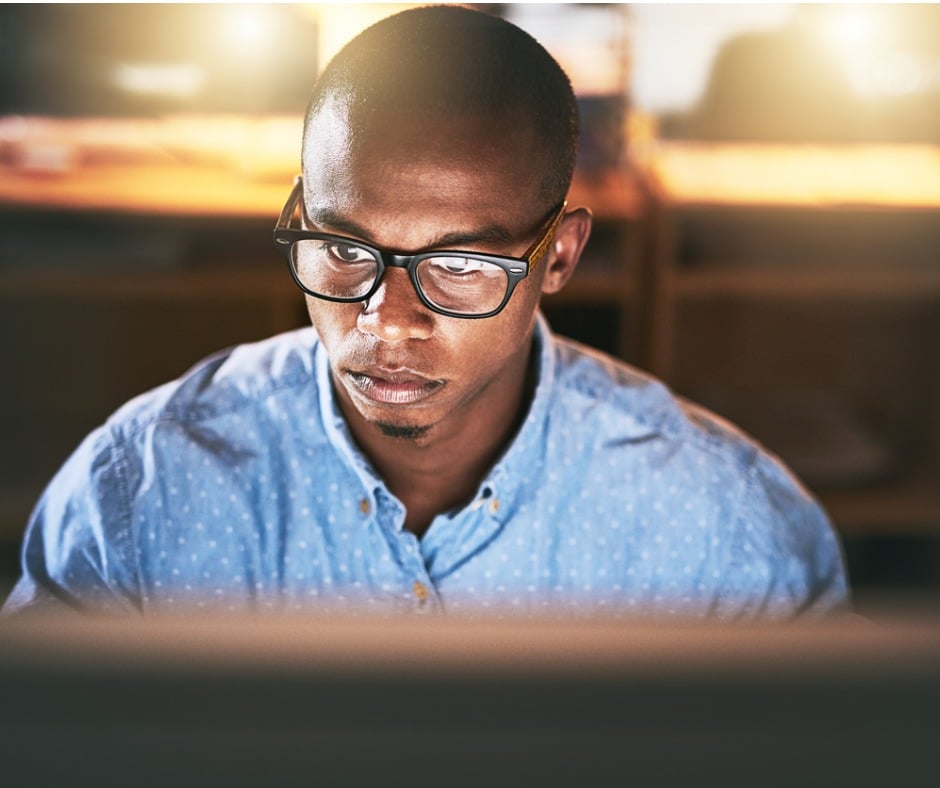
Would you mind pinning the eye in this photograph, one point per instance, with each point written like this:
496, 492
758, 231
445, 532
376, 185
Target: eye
458, 265
349, 253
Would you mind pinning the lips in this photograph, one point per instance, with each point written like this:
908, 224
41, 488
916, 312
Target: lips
394, 386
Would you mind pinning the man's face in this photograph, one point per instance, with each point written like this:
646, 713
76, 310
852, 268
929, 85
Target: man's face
411, 186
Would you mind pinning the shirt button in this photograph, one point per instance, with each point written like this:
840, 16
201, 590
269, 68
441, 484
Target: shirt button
364, 506
420, 590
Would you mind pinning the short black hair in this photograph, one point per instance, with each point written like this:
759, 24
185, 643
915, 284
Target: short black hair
452, 59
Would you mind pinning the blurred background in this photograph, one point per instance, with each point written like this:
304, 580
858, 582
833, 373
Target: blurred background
765, 181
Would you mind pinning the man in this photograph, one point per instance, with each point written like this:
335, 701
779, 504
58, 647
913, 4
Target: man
428, 445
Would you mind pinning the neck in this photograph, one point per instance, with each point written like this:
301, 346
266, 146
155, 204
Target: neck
441, 468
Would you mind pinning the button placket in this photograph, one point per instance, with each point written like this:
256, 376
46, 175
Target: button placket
423, 596
488, 500
420, 591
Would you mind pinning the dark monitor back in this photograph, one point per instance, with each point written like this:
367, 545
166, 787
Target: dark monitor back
202, 702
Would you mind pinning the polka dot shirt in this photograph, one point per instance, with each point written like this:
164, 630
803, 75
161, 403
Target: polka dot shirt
238, 487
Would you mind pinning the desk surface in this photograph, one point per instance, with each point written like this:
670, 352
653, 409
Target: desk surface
152, 189
877, 176
174, 189
192, 166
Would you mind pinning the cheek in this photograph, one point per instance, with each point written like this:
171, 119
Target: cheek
456, 346
332, 321
491, 343
521, 310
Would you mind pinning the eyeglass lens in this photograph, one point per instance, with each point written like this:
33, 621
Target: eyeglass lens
463, 285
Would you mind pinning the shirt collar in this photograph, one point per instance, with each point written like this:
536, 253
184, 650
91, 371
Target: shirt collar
335, 426
524, 451
515, 462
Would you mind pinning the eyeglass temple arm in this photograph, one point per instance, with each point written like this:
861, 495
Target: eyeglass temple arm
536, 254
288, 210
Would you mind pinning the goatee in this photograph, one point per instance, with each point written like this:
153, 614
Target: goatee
409, 432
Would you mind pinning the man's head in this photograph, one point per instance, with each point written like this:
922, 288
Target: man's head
439, 128
450, 62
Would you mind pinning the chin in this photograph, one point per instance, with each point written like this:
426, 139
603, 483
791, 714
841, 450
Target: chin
410, 432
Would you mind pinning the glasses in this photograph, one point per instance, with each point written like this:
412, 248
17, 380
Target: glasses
453, 283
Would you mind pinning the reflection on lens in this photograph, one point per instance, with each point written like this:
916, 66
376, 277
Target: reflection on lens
466, 285
334, 269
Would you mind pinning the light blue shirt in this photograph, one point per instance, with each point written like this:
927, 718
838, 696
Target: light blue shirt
238, 486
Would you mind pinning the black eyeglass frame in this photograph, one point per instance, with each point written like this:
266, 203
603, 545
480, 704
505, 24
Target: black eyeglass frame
516, 268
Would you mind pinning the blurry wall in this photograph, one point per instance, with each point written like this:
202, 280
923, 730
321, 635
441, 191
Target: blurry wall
810, 72
99, 304
145, 59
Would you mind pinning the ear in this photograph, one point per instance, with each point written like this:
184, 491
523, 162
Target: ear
566, 248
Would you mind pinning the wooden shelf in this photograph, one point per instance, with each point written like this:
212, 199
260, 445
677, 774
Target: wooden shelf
712, 282
881, 177
146, 189
16, 504
269, 293
170, 283
611, 195
910, 505
207, 190
818, 228
597, 287
610, 272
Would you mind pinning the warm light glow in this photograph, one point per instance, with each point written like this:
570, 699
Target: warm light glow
160, 79
340, 23
863, 38
901, 73
852, 28
856, 35
899, 175
247, 27
590, 42
673, 46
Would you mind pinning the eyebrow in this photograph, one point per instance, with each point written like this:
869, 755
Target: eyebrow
492, 233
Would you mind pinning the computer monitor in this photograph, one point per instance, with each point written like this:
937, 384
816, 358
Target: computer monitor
296, 701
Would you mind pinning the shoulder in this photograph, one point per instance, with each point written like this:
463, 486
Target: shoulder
627, 424
224, 383
150, 461
681, 469
623, 401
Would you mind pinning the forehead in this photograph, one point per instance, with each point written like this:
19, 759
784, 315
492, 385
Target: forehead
358, 162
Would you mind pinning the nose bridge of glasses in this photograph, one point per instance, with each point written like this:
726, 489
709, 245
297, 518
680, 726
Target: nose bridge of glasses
404, 262
393, 260
394, 308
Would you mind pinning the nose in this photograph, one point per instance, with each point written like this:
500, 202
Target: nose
394, 312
